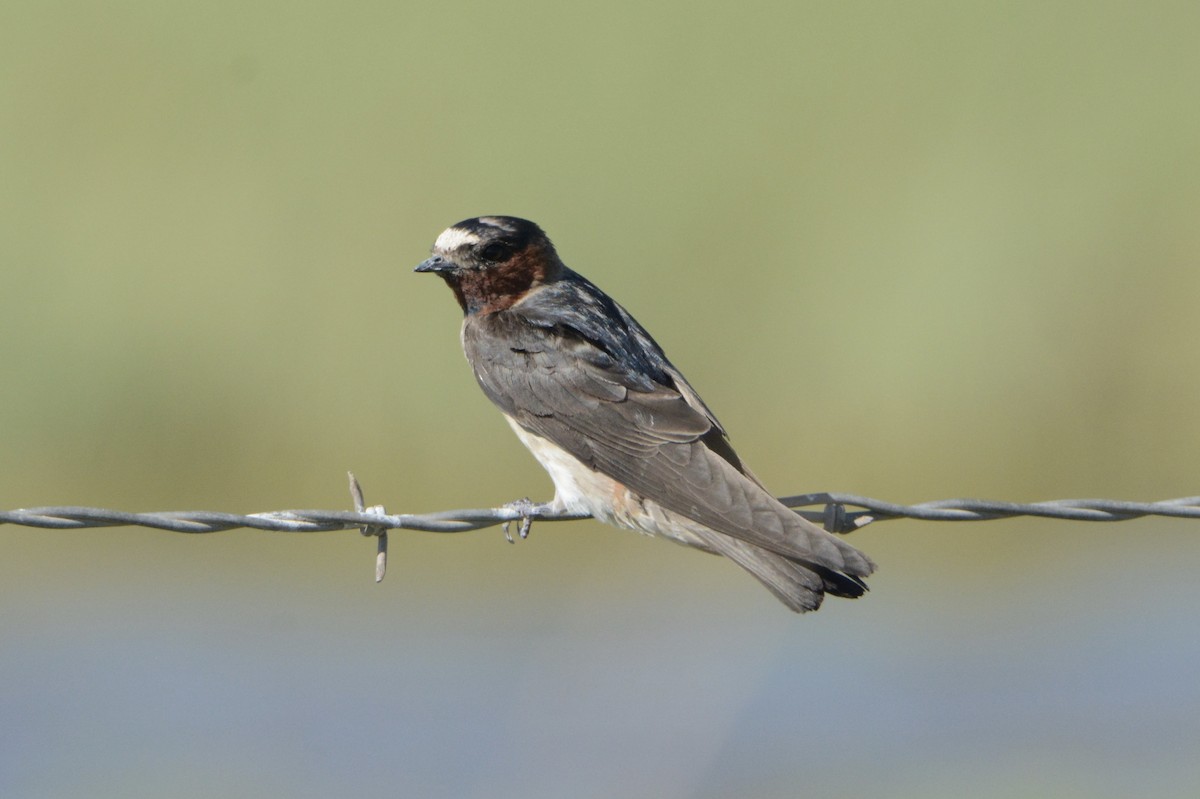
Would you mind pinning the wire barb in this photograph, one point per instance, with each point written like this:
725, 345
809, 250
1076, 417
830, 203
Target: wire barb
380, 533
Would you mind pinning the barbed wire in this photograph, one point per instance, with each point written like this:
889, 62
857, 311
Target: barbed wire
374, 521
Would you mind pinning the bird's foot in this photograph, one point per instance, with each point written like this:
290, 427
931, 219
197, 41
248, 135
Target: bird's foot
528, 509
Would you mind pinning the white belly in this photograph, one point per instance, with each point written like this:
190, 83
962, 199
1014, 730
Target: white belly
578, 489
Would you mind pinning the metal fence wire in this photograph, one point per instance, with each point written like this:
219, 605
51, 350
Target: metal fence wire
842, 513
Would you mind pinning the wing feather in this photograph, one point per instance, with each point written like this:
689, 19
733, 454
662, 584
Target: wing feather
654, 436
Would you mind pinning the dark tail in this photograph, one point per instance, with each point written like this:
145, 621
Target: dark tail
799, 584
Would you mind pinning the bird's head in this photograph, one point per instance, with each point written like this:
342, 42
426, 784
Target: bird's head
492, 262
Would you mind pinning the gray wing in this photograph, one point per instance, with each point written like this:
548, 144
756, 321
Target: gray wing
652, 434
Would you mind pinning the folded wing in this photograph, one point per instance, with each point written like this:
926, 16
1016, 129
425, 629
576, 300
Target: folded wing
651, 433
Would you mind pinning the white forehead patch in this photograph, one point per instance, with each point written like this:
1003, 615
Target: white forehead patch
453, 237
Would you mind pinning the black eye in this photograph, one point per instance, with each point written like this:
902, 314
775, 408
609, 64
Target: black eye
496, 252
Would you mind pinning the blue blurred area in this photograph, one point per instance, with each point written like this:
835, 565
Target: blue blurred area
908, 251
300, 684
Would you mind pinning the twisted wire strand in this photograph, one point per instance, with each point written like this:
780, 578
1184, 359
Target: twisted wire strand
835, 517
374, 521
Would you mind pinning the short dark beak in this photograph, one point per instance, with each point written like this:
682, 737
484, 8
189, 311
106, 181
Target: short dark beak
436, 264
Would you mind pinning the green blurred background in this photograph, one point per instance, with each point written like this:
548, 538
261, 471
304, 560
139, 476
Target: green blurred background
913, 251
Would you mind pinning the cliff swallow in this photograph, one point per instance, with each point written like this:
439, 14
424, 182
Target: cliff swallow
623, 435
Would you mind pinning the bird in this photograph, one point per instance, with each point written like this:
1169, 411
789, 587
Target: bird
623, 435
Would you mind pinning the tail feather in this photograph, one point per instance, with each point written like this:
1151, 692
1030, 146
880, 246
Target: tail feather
799, 584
